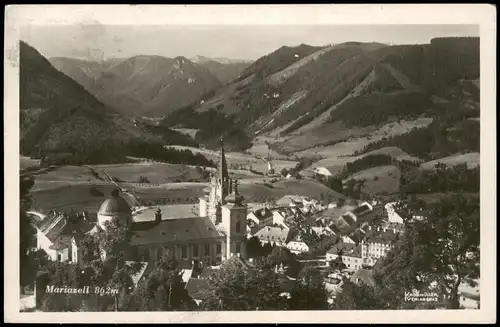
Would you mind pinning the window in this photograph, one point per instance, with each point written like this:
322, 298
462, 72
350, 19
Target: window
219, 248
207, 249
195, 250
238, 247
238, 227
183, 251
59, 257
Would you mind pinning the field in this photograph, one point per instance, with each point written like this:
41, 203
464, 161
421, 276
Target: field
156, 173
260, 192
237, 160
471, 159
335, 165
84, 188
379, 180
356, 142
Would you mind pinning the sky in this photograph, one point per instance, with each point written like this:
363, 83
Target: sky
246, 42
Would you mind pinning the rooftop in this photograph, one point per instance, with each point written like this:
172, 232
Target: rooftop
168, 212
361, 210
380, 236
114, 205
173, 230
273, 234
363, 275
263, 213
341, 248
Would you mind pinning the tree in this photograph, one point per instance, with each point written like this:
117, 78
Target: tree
244, 289
356, 297
162, 290
334, 183
435, 254
254, 248
284, 172
309, 293
26, 234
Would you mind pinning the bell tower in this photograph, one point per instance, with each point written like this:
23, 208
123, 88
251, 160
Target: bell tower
234, 221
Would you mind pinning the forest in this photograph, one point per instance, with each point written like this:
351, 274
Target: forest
118, 152
438, 139
442, 179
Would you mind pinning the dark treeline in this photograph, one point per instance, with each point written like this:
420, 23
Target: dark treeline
442, 179
170, 137
379, 108
371, 161
212, 124
438, 139
118, 152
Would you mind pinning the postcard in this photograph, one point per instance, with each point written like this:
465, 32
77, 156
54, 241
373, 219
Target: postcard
250, 163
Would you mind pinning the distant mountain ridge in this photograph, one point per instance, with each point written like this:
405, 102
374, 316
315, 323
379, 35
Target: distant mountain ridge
308, 91
60, 119
149, 85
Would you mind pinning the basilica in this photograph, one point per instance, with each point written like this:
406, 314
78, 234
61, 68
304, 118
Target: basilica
215, 235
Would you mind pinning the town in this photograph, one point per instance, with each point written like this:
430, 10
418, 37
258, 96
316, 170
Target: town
339, 241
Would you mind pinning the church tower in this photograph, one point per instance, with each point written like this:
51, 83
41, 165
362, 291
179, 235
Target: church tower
223, 177
215, 194
234, 222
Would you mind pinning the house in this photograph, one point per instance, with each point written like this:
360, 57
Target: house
277, 235
321, 230
322, 171
363, 276
392, 215
348, 252
262, 216
297, 245
59, 235
377, 243
333, 283
420, 214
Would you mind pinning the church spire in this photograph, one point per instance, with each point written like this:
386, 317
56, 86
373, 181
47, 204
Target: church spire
223, 174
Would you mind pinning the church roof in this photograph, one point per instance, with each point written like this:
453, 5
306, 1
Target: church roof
114, 205
173, 231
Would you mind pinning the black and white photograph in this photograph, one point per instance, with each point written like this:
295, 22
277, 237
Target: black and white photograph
311, 168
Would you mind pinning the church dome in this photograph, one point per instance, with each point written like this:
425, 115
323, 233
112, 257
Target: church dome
115, 205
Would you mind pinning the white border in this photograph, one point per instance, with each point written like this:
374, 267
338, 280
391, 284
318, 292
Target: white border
481, 14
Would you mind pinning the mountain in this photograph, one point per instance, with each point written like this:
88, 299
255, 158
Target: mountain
306, 96
57, 113
225, 70
59, 118
153, 85
85, 72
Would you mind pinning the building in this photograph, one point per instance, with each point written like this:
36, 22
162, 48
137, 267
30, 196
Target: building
262, 216
376, 244
363, 276
322, 171
277, 235
392, 215
59, 235
298, 245
349, 253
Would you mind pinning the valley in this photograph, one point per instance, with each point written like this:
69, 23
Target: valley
327, 106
